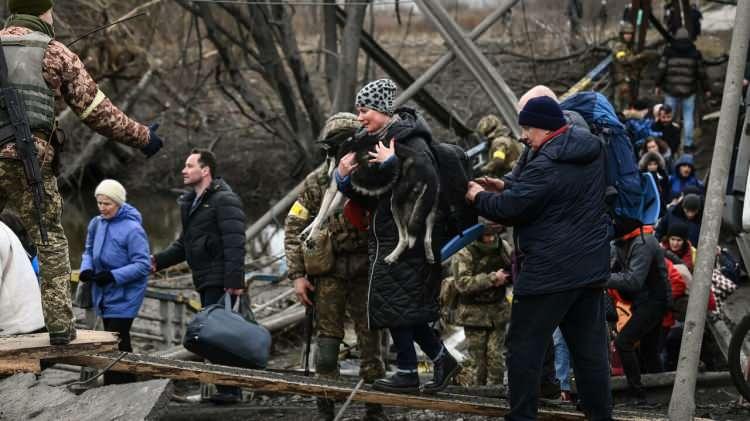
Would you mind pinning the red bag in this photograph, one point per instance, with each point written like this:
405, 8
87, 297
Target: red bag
356, 215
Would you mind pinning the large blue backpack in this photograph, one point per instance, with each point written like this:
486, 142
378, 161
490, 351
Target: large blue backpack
628, 192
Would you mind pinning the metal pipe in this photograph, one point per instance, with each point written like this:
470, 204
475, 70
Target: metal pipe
448, 57
486, 74
682, 403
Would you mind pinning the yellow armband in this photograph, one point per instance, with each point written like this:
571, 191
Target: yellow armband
95, 103
299, 211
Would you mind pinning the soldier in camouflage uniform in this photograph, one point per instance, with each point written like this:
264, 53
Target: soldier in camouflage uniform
28, 43
480, 272
504, 150
344, 288
626, 67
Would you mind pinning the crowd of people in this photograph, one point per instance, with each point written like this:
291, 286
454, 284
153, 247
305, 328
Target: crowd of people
613, 290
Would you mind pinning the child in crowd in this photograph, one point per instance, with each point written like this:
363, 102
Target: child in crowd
683, 176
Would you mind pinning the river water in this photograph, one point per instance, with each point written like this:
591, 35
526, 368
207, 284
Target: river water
161, 219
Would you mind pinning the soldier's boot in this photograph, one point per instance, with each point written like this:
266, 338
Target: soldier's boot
374, 412
327, 366
445, 368
325, 410
61, 335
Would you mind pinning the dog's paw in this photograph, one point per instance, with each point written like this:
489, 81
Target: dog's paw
430, 258
391, 258
412, 241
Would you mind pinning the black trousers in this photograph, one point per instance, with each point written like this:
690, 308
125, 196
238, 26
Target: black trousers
644, 326
122, 328
580, 315
403, 340
213, 295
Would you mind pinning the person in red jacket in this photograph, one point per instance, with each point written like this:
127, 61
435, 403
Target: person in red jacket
676, 241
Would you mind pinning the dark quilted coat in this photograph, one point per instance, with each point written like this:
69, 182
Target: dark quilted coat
555, 202
212, 239
404, 293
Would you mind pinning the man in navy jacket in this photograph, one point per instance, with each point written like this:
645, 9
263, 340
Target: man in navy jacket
555, 201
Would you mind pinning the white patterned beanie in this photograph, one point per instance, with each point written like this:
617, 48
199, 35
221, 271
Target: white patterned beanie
377, 95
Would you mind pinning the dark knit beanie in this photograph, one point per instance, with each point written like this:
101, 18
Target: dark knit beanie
678, 229
691, 202
29, 7
543, 113
377, 95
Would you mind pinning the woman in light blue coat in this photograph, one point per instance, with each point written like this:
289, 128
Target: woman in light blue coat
117, 262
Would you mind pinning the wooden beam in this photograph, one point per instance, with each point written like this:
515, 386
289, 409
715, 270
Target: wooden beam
19, 365
285, 383
37, 346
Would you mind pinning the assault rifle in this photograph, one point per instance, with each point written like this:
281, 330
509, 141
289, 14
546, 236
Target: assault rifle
19, 129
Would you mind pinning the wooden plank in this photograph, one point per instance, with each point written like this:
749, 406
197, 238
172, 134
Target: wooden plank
19, 365
285, 383
37, 346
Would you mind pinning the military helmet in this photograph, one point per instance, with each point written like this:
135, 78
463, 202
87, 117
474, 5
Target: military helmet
337, 123
627, 27
491, 227
488, 124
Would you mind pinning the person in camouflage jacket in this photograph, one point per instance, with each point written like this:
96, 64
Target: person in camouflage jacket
59, 75
504, 149
627, 66
481, 272
344, 288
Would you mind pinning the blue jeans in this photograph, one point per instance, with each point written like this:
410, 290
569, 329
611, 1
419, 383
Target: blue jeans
688, 108
562, 360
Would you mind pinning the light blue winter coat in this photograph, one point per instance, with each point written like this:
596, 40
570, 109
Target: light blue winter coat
118, 245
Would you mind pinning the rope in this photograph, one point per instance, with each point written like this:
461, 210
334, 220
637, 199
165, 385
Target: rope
100, 373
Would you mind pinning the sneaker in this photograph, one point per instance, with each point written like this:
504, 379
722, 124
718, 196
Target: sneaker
400, 382
446, 367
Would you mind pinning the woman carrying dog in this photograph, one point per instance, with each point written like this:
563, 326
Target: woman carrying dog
402, 294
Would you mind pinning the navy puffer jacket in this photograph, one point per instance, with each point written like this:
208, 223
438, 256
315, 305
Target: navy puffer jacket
555, 201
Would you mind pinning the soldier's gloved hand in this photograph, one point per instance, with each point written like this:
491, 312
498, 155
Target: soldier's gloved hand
86, 275
154, 141
104, 278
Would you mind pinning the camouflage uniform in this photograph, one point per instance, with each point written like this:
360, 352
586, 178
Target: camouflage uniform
342, 290
67, 79
504, 150
626, 69
482, 310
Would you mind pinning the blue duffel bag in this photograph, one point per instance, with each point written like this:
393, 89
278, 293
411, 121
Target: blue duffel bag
223, 336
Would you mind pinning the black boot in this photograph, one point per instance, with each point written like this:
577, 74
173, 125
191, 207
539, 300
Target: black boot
398, 383
325, 410
444, 368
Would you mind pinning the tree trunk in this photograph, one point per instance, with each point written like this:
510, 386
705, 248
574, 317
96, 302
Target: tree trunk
346, 82
331, 46
290, 47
